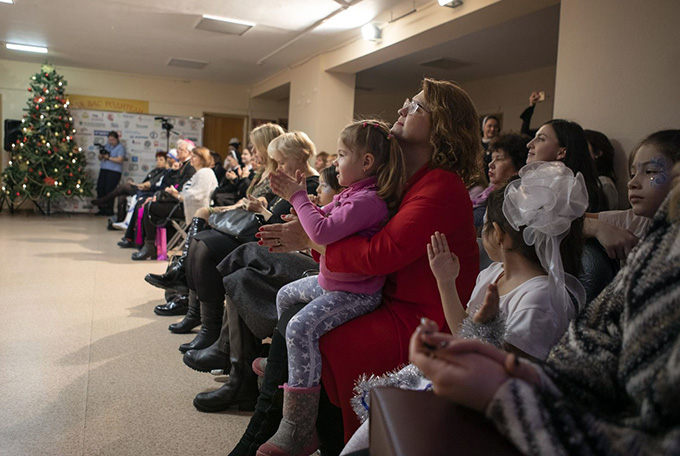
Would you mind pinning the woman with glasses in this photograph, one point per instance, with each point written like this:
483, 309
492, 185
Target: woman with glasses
439, 136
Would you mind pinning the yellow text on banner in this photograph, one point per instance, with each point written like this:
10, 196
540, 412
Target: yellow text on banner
108, 104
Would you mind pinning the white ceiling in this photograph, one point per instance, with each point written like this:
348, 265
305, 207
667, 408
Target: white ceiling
141, 36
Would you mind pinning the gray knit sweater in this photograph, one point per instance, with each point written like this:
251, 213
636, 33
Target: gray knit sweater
611, 386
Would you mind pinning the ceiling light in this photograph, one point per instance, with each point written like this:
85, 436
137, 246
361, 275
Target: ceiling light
371, 32
451, 3
7, 1
224, 25
21, 47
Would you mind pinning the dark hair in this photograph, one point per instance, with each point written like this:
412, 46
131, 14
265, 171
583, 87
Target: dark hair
113, 134
162, 154
374, 137
330, 176
513, 144
571, 246
571, 136
667, 141
217, 159
455, 135
604, 153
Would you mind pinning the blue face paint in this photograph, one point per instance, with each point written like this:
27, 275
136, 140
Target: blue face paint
657, 170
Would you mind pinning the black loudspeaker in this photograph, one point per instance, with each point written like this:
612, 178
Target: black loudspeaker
12, 133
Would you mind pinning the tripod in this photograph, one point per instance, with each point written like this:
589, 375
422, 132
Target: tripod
167, 126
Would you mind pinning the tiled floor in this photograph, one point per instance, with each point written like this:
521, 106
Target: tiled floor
86, 368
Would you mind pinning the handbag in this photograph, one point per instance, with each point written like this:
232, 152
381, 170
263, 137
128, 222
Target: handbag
238, 223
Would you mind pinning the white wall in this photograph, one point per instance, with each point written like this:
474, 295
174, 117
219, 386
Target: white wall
618, 68
165, 96
507, 94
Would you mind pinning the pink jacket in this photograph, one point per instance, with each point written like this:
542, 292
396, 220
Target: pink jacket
356, 210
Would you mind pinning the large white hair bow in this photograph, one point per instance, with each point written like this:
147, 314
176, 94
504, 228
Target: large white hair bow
545, 200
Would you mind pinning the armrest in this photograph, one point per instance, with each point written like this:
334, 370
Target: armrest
410, 423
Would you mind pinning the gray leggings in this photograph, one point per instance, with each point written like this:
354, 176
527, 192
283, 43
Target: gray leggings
325, 310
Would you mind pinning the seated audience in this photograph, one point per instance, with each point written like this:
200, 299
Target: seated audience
438, 131
528, 285
602, 152
322, 161
611, 384
491, 127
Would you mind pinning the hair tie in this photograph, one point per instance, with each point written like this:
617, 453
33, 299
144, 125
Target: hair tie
363, 125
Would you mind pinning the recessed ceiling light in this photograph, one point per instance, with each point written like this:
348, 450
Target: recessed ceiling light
6, 1
224, 25
22, 47
186, 63
371, 32
451, 3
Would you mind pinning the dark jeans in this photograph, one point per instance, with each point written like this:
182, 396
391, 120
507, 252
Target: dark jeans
106, 183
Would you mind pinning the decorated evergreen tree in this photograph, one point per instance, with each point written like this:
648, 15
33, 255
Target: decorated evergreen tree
46, 163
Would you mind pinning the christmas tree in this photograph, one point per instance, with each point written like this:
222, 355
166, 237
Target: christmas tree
46, 163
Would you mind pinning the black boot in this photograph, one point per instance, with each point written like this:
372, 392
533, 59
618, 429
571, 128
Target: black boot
175, 274
179, 305
241, 388
148, 251
211, 324
192, 318
208, 359
268, 412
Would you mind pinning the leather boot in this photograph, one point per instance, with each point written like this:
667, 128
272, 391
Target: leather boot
208, 359
211, 324
147, 252
179, 305
191, 319
175, 275
269, 409
241, 388
297, 432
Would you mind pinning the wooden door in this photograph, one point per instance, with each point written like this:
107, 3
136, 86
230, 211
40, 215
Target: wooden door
218, 129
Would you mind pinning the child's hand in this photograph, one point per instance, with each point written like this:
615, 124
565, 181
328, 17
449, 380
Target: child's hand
284, 185
444, 264
314, 199
490, 306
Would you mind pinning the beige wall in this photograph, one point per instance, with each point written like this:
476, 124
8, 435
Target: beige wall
165, 96
618, 68
505, 94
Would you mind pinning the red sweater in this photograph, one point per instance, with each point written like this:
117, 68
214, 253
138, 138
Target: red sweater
434, 200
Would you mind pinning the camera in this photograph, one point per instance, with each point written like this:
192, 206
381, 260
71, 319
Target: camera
102, 149
165, 123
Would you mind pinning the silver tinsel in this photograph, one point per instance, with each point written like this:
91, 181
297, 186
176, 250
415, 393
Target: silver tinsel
408, 377
492, 333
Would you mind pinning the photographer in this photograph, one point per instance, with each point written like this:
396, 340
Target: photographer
111, 156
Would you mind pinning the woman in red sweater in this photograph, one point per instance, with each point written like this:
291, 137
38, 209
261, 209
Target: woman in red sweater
438, 133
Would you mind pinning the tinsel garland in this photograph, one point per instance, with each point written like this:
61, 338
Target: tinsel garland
410, 377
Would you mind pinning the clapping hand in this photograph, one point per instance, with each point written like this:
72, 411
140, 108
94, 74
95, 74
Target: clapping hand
252, 204
490, 307
285, 185
444, 264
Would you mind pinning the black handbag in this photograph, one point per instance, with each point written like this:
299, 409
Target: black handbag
239, 223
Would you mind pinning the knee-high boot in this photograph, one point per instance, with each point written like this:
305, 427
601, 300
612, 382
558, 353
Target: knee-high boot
211, 324
268, 411
214, 357
175, 275
241, 388
191, 319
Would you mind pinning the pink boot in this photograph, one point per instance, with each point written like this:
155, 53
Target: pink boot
297, 432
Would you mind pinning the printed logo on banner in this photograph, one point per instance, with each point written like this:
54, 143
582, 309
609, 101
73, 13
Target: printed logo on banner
101, 133
114, 125
145, 168
135, 159
147, 144
181, 122
133, 167
153, 135
110, 117
126, 124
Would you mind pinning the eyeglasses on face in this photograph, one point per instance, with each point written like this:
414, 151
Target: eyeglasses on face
413, 106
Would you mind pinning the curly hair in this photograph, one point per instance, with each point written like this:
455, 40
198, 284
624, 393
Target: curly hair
514, 145
455, 133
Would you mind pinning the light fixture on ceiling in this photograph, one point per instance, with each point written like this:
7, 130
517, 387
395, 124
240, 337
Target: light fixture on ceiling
371, 32
451, 3
224, 25
7, 1
25, 48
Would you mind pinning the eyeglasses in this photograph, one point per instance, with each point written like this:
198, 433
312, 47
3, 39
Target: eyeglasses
413, 106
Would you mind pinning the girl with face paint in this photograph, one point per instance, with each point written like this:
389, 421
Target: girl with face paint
651, 175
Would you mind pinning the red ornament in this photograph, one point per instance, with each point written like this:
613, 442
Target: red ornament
30, 170
18, 194
68, 192
47, 75
36, 107
63, 139
66, 166
39, 173
30, 90
49, 180
70, 174
49, 152
59, 117
45, 90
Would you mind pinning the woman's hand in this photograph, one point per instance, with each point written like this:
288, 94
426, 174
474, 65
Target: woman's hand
231, 175
172, 191
284, 237
252, 204
284, 185
468, 372
444, 264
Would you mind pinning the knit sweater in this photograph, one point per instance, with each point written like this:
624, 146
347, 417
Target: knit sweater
611, 386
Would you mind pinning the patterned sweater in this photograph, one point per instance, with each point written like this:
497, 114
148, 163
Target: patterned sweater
611, 386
